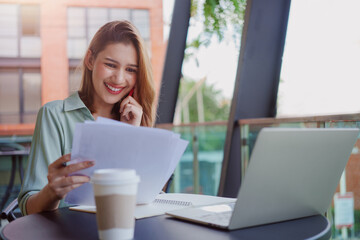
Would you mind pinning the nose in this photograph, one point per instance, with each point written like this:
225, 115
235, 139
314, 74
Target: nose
119, 76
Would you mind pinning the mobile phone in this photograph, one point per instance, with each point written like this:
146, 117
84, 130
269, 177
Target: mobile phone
131, 92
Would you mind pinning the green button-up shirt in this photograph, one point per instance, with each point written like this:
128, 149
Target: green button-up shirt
52, 138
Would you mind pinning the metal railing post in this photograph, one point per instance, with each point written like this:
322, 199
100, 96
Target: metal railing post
195, 161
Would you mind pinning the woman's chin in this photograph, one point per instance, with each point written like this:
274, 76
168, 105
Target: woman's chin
111, 99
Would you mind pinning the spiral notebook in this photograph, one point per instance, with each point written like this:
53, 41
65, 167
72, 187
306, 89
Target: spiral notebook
167, 202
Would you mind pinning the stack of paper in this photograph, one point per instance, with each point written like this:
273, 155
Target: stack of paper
153, 153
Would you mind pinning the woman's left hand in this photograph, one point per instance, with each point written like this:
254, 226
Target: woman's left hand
131, 111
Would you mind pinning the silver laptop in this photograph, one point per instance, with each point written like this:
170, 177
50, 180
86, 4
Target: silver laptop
292, 173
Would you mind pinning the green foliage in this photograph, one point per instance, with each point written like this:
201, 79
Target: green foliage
219, 15
194, 8
193, 47
215, 107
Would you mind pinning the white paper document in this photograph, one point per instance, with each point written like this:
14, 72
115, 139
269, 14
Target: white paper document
165, 203
153, 153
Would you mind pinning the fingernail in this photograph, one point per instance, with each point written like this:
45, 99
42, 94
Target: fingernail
91, 163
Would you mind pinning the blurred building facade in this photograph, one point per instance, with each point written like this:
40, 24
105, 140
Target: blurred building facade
42, 44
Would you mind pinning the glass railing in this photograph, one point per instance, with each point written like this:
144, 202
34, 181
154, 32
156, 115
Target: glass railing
200, 166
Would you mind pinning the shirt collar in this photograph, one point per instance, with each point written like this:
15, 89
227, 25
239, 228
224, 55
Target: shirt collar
73, 102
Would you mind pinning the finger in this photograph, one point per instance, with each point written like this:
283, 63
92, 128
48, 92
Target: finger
63, 181
59, 163
77, 167
133, 101
128, 113
73, 180
128, 101
127, 109
54, 169
61, 192
132, 112
124, 103
67, 189
128, 116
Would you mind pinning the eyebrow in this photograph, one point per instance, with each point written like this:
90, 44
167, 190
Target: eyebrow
114, 61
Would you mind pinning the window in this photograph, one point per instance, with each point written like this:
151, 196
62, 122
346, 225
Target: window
8, 30
31, 81
320, 72
20, 88
77, 39
30, 20
9, 96
30, 43
20, 31
84, 22
20, 97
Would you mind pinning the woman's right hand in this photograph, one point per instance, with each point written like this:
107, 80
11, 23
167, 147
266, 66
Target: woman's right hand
60, 182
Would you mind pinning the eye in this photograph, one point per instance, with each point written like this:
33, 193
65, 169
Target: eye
110, 65
132, 70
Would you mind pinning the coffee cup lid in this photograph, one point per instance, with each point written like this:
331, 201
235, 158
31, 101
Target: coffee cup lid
115, 176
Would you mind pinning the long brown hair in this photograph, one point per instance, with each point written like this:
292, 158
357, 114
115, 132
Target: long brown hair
122, 32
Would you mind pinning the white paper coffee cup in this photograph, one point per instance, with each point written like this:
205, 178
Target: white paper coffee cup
115, 197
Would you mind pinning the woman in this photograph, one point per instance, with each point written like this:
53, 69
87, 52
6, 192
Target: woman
117, 83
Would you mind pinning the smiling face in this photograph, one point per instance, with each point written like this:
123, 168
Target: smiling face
114, 73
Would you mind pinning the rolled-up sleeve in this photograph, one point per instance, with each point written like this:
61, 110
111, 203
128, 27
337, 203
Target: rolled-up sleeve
46, 147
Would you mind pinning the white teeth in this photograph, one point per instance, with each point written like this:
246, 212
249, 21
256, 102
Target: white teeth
112, 88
